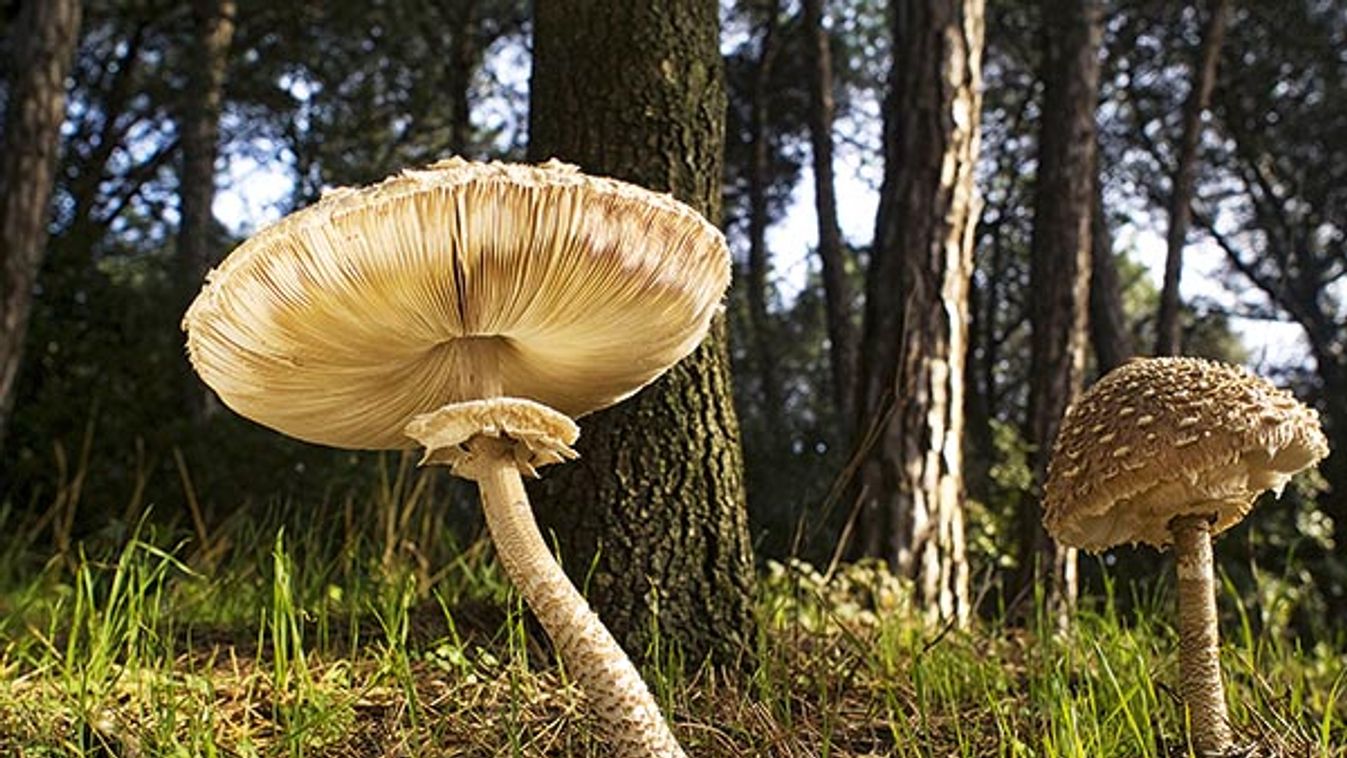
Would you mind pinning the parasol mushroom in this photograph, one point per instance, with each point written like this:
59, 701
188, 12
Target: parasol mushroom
474, 309
1172, 451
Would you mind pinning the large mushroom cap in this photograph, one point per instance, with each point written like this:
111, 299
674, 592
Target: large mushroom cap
459, 282
1163, 437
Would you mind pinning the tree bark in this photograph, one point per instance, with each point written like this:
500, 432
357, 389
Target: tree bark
463, 61
980, 370
759, 262
1108, 319
44, 38
635, 90
916, 332
1168, 329
208, 59
1059, 267
837, 296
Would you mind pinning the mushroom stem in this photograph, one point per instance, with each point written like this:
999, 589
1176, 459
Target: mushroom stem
615, 689
1199, 655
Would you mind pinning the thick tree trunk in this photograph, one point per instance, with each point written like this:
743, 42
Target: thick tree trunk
759, 259
1168, 329
916, 332
44, 38
634, 89
1108, 320
832, 254
1060, 263
200, 135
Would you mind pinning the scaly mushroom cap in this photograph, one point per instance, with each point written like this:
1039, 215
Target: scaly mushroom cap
462, 281
1163, 437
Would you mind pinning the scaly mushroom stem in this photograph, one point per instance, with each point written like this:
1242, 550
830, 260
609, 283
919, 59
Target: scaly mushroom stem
1199, 636
591, 654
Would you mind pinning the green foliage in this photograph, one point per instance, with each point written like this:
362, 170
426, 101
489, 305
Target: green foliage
990, 523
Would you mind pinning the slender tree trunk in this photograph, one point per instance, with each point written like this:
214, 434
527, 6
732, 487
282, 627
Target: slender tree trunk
44, 38
1108, 320
759, 262
1331, 361
463, 57
832, 254
634, 89
984, 302
1059, 265
1168, 330
200, 136
916, 333
979, 448
1335, 467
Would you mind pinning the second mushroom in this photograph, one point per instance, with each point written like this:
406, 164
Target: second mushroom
1171, 452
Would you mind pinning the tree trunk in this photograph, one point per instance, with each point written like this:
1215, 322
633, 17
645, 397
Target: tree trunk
200, 135
44, 38
635, 90
1059, 267
980, 370
1331, 362
832, 255
463, 60
1108, 319
759, 263
916, 333
1168, 330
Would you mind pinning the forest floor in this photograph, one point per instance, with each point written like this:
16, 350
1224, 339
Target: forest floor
258, 644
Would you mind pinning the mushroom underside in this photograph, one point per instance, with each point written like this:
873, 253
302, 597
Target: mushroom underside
1140, 509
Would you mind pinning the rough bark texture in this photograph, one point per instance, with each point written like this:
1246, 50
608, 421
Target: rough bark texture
916, 331
1108, 320
1199, 637
44, 38
631, 719
832, 255
1168, 330
635, 90
759, 259
200, 133
1059, 269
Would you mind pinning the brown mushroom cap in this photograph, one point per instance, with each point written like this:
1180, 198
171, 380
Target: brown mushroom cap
462, 281
1163, 437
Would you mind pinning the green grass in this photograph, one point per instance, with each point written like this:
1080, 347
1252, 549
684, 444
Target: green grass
256, 639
